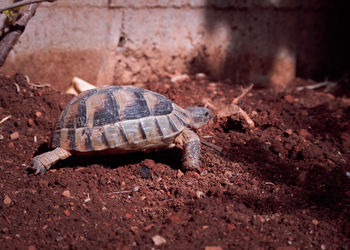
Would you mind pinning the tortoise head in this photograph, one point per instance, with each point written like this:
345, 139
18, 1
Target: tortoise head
199, 116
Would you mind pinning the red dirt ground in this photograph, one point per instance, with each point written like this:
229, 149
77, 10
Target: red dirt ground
282, 185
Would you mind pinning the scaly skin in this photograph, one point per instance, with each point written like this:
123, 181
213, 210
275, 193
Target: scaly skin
190, 143
43, 162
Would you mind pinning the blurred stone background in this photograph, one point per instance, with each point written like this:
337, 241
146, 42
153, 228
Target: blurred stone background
268, 42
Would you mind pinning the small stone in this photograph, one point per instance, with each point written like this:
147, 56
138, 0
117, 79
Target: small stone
180, 78
199, 194
31, 122
38, 114
11, 145
289, 131
304, 133
179, 174
231, 227
212, 248
201, 76
128, 216
66, 212
1, 137
158, 240
323, 247
7, 200
31, 247
144, 172
315, 222
66, 193
14, 136
289, 98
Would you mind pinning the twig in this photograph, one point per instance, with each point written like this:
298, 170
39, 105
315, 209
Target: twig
5, 119
326, 84
11, 38
17, 87
240, 97
135, 189
22, 3
211, 145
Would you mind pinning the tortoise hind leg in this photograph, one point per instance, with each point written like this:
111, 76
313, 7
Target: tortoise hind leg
190, 143
43, 162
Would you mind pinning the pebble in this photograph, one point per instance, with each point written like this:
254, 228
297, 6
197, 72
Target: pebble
128, 216
158, 240
315, 222
66, 212
289, 131
66, 193
7, 200
212, 248
1, 137
289, 98
38, 114
304, 133
231, 227
11, 145
31, 122
31, 247
180, 78
199, 194
201, 76
14, 136
144, 172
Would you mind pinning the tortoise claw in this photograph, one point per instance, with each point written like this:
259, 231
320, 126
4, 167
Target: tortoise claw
38, 167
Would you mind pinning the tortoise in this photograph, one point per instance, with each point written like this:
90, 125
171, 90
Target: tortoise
122, 119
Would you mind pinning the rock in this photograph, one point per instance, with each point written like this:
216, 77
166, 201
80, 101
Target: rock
158, 240
289, 98
304, 133
201, 76
199, 194
66, 212
288, 131
38, 114
144, 172
128, 216
14, 136
31, 122
212, 248
231, 227
11, 145
66, 193
31, 247
7, 200
180, 78
315, 222
1, 137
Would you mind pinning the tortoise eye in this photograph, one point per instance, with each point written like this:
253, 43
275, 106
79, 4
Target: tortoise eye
206, 114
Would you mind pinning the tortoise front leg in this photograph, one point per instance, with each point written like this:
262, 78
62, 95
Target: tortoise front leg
190, 143
43, 162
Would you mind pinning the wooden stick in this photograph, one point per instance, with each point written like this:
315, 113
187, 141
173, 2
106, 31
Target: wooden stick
10, 39
240, 97
22, 3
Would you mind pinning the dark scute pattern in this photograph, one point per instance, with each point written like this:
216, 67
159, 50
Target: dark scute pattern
123, 135
71, 138
158, 128
139, 109
180, 119
143, 133
88, 144
81, 115
172, 125
109, 114
163, 107
104, 138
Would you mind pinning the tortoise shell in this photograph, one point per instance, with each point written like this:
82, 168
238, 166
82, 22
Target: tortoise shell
123, 118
